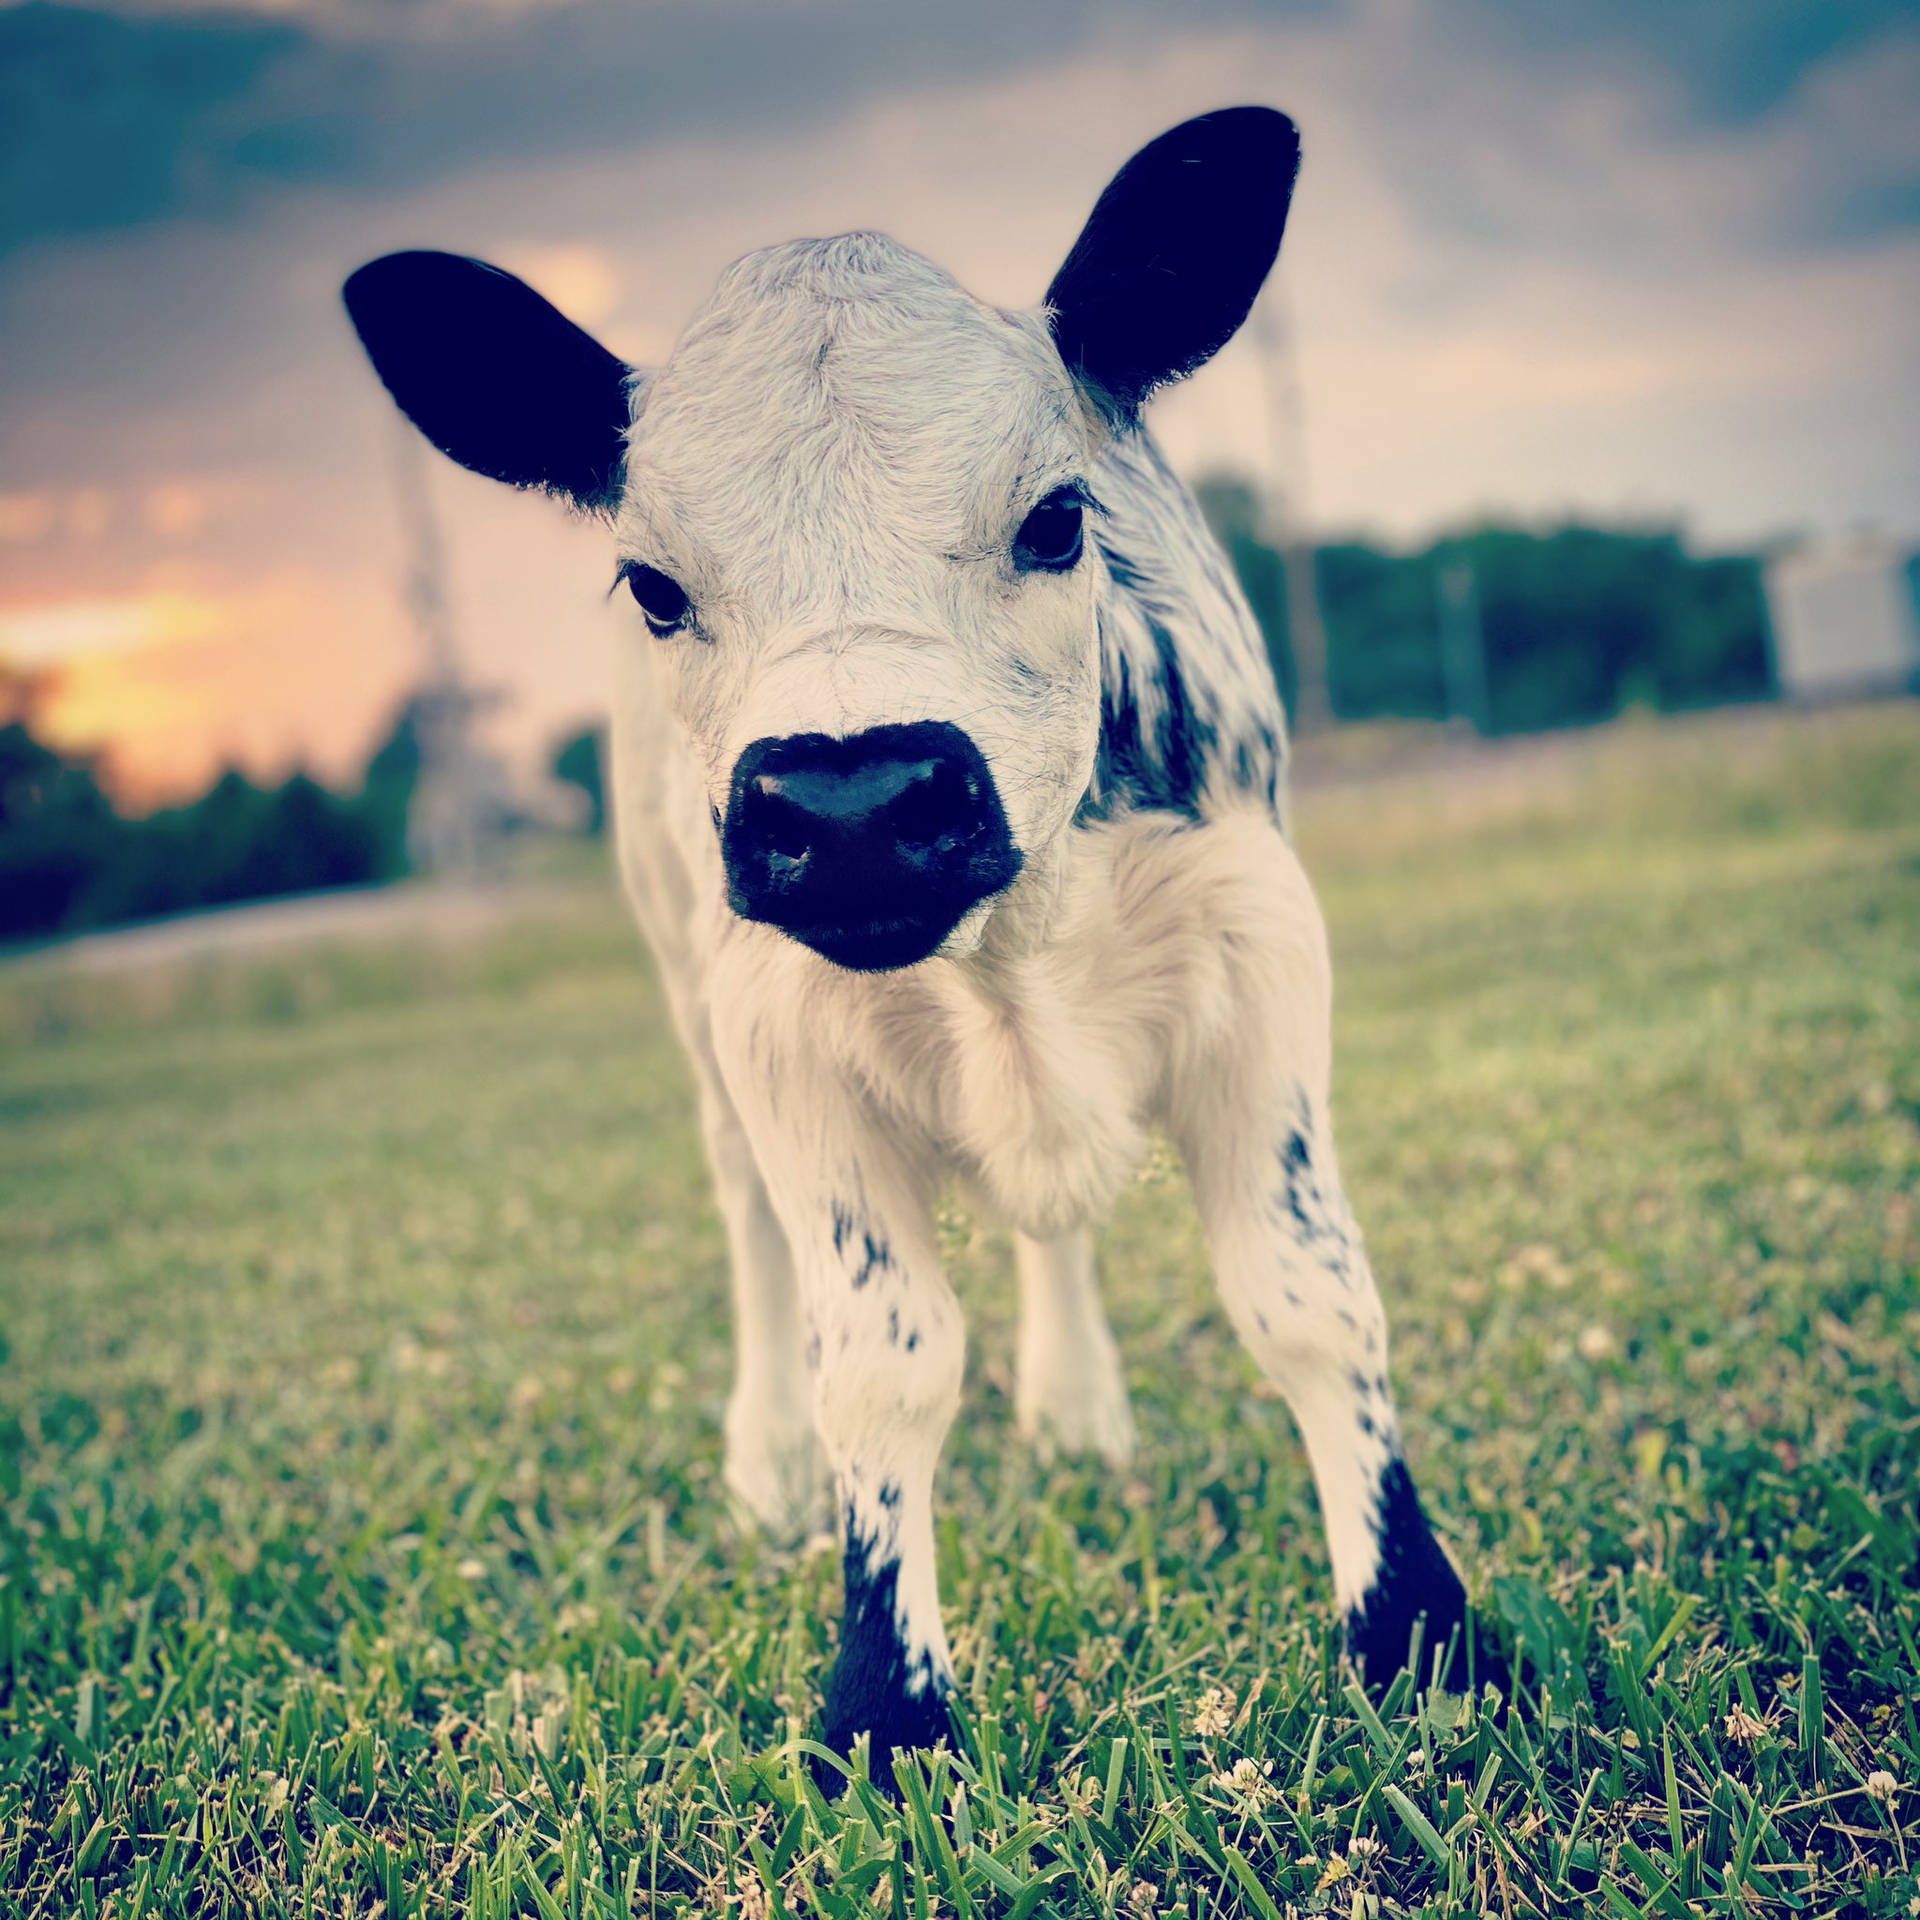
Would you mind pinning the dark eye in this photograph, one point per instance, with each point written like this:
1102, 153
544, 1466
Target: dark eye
660, 597
1049, 537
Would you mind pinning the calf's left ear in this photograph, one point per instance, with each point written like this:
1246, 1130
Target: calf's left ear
1173, 254
496, 377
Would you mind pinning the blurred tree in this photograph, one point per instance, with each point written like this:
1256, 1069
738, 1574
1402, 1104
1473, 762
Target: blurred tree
577, 763
57, 833
386, 789
68, 861
1232, 509
236, 842
1575, 623
1383, 651
1580, 622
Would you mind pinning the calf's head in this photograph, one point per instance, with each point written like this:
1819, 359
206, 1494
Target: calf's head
851, 511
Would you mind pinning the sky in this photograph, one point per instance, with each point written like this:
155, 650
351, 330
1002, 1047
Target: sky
1633, 260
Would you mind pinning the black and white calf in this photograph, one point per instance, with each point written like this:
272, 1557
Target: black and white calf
948, 770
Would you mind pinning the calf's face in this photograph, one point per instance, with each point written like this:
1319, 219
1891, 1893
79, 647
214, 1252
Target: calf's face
854, 523
853, 512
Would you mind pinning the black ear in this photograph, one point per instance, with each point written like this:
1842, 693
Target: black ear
493, 375
1171, 258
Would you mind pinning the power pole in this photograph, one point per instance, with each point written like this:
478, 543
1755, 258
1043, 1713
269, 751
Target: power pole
1287, 512
1463, 646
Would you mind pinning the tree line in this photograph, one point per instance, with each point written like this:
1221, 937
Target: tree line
1565, 626
1511, 629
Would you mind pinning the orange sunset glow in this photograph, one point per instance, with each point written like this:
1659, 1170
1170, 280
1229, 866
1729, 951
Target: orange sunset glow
184, 685
1532, 271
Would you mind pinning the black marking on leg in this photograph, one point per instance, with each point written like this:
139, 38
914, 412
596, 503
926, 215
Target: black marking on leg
1414, 1578
876, 1257
876, 1687
1319, 1222
856, 1242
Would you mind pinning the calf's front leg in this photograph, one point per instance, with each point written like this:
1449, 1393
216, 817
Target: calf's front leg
1253, 1127
885, 1347
1295, 1281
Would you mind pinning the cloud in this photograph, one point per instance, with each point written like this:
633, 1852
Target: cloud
1526, 272
163, 110
119, 117
178, 683
112, 121
1734, 60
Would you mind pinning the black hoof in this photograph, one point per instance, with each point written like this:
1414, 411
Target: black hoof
893, 1722
1416, 1585
877, 1687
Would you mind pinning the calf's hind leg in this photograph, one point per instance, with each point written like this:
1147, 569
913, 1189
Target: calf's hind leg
773, 1466
1069, 1390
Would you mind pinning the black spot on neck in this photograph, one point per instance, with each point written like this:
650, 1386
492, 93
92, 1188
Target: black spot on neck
1157, 765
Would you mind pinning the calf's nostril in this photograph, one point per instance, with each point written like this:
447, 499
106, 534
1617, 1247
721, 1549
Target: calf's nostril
932, 813
785, 831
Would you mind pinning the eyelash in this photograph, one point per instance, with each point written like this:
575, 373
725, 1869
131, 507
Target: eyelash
641, 580
1028, 557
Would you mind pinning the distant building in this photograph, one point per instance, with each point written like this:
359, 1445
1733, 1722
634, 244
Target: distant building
1845, 615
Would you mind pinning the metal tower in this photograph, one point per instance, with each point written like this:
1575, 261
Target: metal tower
459, 799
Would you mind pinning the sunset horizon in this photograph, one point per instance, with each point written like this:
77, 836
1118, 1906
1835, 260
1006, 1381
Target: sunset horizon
1617, 277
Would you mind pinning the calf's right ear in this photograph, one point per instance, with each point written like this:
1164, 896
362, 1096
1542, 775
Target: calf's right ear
1173, 254
496, 377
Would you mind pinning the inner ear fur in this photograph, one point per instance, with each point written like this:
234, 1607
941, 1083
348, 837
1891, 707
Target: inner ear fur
1173, 254
496, 377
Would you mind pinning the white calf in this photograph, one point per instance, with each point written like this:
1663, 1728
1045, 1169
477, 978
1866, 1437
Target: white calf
947, 767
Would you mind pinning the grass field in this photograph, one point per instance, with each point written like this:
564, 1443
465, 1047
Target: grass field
364, 1351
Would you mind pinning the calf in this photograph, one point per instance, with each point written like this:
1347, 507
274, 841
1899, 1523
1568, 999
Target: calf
948, 776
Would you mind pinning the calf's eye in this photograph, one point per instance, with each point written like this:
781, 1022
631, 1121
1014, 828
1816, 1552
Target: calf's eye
1050, 536
660, 597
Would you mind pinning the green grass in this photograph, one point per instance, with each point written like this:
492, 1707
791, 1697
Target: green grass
362, 1548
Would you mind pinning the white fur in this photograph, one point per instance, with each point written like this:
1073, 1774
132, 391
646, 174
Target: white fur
1069, 1389
832, 464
